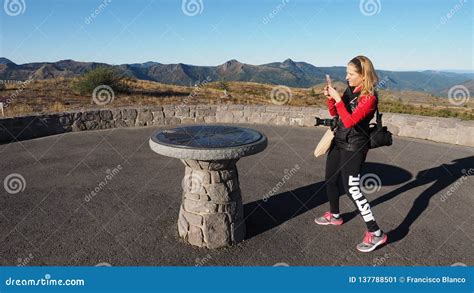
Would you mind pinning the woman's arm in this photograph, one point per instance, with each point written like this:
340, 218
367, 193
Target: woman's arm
330, 101
365, 107
331, 107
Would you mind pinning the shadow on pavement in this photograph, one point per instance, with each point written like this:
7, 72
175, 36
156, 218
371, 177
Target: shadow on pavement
441, 177
263, 215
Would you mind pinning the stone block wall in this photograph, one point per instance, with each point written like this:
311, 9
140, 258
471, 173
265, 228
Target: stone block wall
447, 130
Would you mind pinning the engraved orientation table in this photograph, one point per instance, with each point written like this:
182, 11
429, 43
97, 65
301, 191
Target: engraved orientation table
211, 212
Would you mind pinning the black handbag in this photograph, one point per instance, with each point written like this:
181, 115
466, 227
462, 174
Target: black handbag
379, 134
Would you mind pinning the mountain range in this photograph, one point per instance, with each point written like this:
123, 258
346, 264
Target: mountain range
288, 72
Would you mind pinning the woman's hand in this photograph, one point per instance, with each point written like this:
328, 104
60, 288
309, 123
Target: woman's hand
333, 94
325, 91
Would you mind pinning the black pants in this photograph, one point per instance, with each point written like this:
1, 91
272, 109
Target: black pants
346, 164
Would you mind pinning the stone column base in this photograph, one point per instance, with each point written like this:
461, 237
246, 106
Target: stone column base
211, 213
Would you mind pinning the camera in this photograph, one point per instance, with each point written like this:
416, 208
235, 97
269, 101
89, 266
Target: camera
331, 122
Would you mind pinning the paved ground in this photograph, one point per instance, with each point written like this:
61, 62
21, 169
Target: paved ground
132, 220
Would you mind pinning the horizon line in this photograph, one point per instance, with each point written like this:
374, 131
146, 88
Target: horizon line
459, 71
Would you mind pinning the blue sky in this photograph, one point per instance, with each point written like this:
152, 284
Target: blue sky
395, 34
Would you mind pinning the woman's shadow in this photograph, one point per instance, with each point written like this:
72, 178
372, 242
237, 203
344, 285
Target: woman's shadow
441, 177
265, 214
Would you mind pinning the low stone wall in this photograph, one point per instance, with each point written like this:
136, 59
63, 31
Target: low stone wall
445, 130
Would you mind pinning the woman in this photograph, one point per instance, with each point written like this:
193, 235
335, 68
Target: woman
354, 109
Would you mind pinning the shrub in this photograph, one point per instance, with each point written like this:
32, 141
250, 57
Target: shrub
223, 85
109, 76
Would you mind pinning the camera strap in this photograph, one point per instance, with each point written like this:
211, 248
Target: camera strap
378, 115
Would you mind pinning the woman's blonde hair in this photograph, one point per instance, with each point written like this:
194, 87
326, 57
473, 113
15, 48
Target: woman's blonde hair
364, 67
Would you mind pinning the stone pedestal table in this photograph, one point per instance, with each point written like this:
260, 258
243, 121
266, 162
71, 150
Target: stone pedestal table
211, 212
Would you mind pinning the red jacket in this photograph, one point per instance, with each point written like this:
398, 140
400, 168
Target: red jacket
365, 107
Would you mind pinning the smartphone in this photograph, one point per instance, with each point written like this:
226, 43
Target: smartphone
328, 80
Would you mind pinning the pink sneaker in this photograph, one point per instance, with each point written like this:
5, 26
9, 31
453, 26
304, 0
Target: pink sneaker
328, 219
371, 241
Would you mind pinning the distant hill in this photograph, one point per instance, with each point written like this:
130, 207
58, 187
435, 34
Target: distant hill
288, 72
4, 60
469, 84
